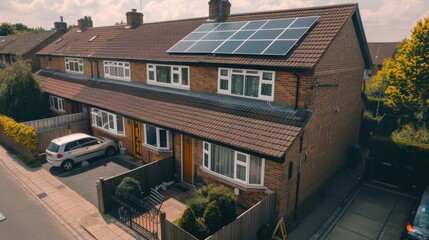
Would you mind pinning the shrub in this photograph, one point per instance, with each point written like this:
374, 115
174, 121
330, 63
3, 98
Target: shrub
130, 186
225, 200
198, 205
212, 217
408, 132
204, 191
20, 133
188, 222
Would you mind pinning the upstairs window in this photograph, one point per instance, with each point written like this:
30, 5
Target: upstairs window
74, 65
170, 76
108, 122
117, 70
156, 137
247, 83
56, 103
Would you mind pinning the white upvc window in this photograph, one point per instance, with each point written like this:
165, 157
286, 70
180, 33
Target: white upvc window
234, 165
74, 65
168, 75
247, 83
56, 103
117, 70
156, 138
46, 62
107, 121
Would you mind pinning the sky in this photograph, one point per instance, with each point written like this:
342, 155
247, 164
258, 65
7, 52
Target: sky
383, 20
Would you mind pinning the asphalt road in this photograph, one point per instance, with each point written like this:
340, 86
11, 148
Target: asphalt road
26, 218
83, 179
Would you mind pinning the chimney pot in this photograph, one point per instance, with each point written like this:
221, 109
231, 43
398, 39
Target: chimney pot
61, 19
134, 10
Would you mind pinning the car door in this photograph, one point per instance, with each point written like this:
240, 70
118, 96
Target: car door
73, 151
92, 148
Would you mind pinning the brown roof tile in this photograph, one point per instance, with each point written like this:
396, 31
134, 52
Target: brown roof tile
382, 50
21, 44
150, 41
242, 129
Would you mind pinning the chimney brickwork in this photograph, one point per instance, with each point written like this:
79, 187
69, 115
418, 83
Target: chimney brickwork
134, 18
61, 25
219, 10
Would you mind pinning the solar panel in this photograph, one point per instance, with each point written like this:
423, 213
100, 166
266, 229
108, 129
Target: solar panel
260, 37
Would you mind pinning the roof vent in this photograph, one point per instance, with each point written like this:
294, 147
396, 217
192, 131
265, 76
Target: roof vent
92, 39
2, 41
58, 40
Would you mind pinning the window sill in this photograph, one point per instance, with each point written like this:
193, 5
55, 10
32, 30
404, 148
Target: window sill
156, 150
232, 183
109, 132
57, 111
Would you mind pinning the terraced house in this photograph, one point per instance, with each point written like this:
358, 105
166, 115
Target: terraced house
244, 100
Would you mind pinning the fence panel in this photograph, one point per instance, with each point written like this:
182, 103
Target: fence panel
56, 122
173, 232
246, 225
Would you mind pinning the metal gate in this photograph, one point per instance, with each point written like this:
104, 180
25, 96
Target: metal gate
141, 215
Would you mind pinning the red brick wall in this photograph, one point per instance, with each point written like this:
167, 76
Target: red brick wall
203, 79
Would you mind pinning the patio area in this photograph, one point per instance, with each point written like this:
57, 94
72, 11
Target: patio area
175, 200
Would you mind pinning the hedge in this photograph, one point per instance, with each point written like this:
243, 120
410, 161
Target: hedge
20, 133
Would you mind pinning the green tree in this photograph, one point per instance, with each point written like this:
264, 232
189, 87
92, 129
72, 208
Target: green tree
188, 222
6, 29
21, 96
19, 27
407, 91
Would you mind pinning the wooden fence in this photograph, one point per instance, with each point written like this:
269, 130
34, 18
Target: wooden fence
245, 226
51, 128
149, 176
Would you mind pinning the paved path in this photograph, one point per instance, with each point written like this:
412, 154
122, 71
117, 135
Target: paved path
25, 217
80, 217
373, 213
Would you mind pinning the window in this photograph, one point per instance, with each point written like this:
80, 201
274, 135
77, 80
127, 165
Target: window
246, 83
74, 65
47, 62
117, 70
56, 103
156, 137
238, 166
170, 76
108, 121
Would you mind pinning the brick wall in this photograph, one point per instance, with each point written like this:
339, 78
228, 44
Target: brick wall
203, 79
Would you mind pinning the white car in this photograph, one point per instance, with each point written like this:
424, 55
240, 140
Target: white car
69, 150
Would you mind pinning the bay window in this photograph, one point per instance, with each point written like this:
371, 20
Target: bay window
74, 65
56, 103
156, 137
246, 83
166, 75
117, 70
240, 167
108, 122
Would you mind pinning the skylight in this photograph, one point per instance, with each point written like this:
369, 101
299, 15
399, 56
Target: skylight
58, 40
92, 39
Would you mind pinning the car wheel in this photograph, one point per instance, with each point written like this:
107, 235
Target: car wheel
110, 151
67, 165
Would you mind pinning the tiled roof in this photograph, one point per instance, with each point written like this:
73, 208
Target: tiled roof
262, 132
382, 50
150, 41
20, 44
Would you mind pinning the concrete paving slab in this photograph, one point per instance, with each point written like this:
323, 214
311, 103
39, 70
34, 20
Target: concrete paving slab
360, 224
391, 232
370, 210
342, 233
377, 196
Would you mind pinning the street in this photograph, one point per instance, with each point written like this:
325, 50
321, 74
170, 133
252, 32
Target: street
26, 218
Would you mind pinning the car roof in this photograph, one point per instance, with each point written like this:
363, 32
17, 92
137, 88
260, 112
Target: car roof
69, 138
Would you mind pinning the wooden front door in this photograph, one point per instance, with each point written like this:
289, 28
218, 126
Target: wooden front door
187, 159
137, 138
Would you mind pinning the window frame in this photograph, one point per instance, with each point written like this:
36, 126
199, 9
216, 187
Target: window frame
79, 61
158, 139
111, 119
117, 64
174, 70
245, 73
207, 152
60, 103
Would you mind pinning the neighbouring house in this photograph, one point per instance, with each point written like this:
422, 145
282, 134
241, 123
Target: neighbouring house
380, 51
26, 45
245, 100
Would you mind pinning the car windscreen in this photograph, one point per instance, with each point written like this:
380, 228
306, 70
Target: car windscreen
421, 219
53, 147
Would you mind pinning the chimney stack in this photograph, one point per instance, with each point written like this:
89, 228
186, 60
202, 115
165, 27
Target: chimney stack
84, 23
219, 10
134, 18
60, 25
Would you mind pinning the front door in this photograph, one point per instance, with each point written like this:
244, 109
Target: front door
187, 159
137, 138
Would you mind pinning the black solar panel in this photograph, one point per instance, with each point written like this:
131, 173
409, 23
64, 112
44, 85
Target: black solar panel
260, 37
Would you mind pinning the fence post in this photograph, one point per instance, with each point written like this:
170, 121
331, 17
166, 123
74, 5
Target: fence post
100, 195
162, 220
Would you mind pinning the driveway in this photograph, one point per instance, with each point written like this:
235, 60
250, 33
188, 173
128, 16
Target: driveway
374, 213
83, 179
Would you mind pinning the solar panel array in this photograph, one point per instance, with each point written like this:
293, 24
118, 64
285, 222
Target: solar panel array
260, 37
